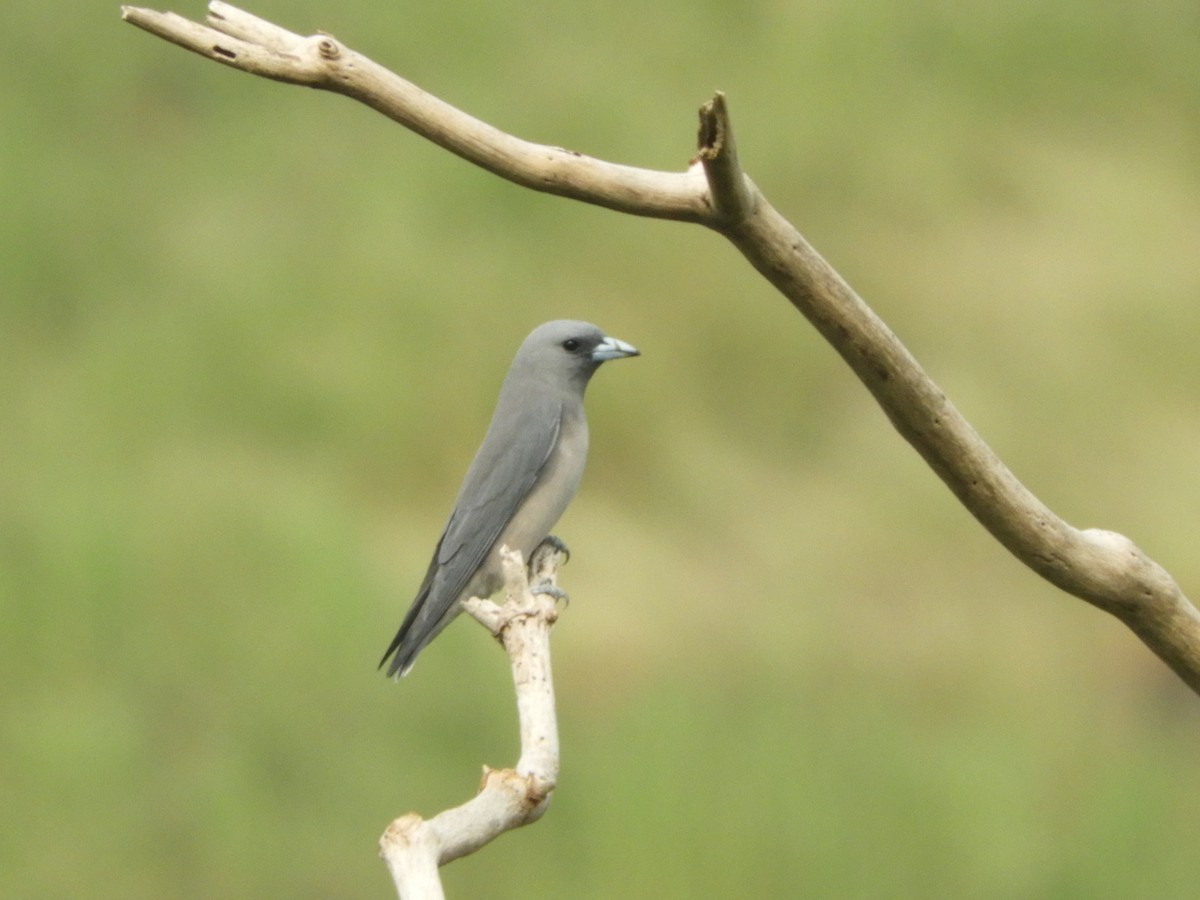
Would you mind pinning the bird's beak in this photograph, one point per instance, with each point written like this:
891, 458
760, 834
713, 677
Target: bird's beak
611, 348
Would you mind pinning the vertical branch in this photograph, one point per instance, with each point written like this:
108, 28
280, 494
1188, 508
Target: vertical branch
414, 848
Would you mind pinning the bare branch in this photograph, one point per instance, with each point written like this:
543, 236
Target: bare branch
414, 848
1101, 567
734, 197
322, 62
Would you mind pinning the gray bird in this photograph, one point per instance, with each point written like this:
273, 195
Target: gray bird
522, 478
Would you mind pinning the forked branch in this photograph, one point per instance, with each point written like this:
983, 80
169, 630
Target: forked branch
1104, 568
414, 848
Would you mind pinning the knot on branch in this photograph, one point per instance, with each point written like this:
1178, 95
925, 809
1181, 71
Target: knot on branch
403, 833
328, 48
529, 792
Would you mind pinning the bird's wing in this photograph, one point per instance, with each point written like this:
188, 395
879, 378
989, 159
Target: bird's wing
499, 479
502, 474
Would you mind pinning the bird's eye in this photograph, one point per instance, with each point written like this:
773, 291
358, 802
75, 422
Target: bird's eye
570, 345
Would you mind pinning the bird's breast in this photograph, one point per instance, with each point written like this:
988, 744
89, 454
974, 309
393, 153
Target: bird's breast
553, 490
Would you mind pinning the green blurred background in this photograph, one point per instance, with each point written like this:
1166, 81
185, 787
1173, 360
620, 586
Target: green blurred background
250, 336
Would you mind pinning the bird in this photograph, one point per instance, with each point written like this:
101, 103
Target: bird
522, 477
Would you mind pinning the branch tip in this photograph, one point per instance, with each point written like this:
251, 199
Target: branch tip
714, 125
729, 191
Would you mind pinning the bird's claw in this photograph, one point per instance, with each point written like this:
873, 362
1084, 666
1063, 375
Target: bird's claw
552, 544
551, 590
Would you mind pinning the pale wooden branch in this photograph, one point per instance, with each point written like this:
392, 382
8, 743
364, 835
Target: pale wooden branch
1104, 568
414, 848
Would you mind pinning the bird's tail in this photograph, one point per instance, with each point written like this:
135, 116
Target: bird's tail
422, 624
402, 657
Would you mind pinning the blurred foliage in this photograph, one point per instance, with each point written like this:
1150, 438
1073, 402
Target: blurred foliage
250, 336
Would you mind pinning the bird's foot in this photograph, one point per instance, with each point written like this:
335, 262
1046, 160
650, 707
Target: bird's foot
551, 590
551, 544
543, 562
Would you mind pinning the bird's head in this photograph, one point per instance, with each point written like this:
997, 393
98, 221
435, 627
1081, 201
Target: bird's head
569, 350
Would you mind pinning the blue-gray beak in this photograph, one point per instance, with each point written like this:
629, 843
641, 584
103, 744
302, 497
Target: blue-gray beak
611, 348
